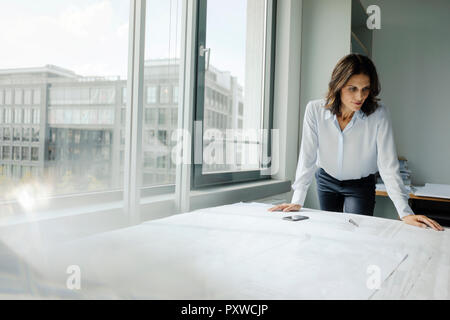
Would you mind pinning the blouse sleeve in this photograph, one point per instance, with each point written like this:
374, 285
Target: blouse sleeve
306, 166
388, 165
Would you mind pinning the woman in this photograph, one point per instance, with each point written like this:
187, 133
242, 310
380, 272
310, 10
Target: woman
349, 136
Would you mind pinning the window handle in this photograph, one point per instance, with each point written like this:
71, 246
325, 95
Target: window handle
203, 51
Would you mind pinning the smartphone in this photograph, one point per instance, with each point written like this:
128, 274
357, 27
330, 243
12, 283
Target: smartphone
295, 218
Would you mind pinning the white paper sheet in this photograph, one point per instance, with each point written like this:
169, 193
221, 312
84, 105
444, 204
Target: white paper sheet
238, 251
433, 190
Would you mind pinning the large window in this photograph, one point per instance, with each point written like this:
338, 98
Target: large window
234, 84
152, 94
98, 110
161, 75
164, 94
60, 95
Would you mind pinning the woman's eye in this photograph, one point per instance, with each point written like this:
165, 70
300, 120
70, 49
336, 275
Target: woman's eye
352, 89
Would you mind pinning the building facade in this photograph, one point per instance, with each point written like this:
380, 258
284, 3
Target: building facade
68, 131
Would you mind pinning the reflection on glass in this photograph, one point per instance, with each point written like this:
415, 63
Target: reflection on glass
25, 153
63, 104
16, 134
61, 101
233, 98
161, 76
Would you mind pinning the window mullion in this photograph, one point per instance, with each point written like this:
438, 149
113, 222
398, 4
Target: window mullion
269, 69
186, 103
133, 147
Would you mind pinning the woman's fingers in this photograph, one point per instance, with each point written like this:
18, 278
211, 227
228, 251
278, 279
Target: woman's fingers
441, 228
418, 224
292, 207
430, 222
422, 222
285, 207
278, 207
437, 225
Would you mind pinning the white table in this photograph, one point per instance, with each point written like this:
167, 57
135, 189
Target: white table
242, 251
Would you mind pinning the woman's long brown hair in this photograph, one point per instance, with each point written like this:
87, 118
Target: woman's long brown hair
347, 67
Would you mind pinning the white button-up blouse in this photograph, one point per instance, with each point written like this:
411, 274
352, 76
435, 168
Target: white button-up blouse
364, 147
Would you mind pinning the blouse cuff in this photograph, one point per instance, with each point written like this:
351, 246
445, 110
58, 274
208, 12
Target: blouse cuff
405, 211
299, 196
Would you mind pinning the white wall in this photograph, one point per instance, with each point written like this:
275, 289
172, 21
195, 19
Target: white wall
412, 54
287, 85
254, 64
326, 30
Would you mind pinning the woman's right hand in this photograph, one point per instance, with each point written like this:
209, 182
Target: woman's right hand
286, 207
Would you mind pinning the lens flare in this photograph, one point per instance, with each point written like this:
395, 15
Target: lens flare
31, 196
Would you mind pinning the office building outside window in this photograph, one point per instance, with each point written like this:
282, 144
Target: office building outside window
70, 120
164, 96
152, 95
18, 97
175, 95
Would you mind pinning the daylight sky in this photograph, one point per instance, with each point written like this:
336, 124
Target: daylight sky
90, 37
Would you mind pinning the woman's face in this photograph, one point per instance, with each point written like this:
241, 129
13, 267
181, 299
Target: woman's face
355, 92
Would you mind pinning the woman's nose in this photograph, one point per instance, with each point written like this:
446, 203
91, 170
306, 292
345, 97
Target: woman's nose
359, 95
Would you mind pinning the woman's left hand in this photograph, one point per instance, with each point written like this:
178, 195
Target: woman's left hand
422, 222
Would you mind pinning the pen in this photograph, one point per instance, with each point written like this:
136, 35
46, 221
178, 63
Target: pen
353, 222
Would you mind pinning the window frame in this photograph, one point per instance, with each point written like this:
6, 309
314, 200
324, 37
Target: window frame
200, 180
170, 199
132, 194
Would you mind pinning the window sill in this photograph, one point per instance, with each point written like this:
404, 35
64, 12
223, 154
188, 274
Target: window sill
248, 191
93, 218
89, 210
